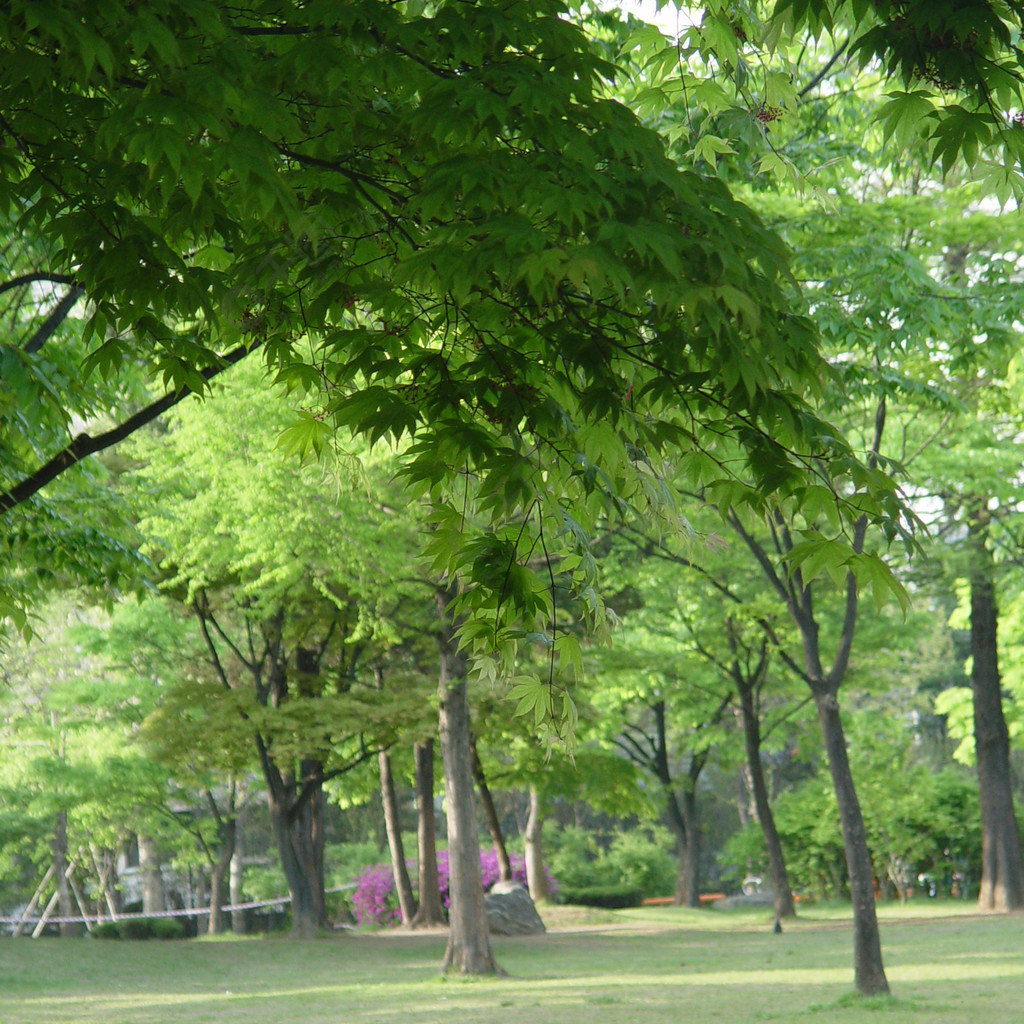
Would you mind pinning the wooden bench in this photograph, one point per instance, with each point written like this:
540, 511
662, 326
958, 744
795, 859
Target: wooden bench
667, 901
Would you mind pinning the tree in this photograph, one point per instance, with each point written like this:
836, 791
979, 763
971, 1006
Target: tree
283, 582
529, 291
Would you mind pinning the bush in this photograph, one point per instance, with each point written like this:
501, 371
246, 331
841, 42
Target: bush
151, 928
640, 860
637, 858
575, 858
609, 897
106, 930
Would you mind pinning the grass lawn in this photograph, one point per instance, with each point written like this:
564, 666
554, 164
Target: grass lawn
648, 966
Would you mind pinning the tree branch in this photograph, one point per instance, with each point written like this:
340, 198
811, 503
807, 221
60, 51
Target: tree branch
36, 276
49, 326
84, 444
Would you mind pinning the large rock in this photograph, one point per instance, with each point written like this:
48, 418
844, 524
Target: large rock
511, 911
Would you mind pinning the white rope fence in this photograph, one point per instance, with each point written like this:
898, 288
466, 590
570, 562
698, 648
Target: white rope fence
27, 919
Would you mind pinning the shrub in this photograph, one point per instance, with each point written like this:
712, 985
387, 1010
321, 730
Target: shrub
640, 860
375, 901
575, 858
106, 930
610, 897
151, 928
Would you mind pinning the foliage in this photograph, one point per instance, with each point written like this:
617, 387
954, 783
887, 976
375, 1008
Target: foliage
640, 859
612, 896
141, 928
929, 824
526, 296
636, 859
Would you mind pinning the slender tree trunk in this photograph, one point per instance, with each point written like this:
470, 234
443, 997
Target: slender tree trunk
536, 876
491, 815
869, 975
469, 944
237, 878
105, 865
1002, 864
430, 911
154, 897
66, 906
393, 824
220, 875
783, 892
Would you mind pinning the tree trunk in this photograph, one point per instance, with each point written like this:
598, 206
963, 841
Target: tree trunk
219, 876
491, 815
783, 892
1002, 864
393, 824
536, 876
66, 906
297, 822
237, 877
154, 897
105, 865
869, 974
469, 944
688, 882
682, 818
430, 911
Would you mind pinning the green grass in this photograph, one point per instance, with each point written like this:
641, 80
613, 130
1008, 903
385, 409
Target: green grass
652, 965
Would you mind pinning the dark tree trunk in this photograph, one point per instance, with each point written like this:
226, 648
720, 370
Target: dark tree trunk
491, 815
536, 876
783, 892
393, 824
688, 882
869, 975
681, 813
469, 944
430, 911
1002, 864
296, 817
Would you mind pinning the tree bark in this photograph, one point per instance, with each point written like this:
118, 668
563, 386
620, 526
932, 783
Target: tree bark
491, 815
536, 876
296, 818
430, 912
237, 878
154, 897
688, 881
869, 975
1002, 863
66, 906
469, 944
393, 824
785, 906
220, 875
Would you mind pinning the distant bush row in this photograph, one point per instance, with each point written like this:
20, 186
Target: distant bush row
141, 928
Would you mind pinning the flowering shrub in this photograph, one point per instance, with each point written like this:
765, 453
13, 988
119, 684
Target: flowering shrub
375, 901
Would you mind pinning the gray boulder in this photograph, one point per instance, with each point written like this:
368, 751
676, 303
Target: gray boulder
511, 911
